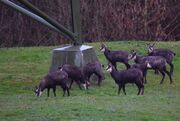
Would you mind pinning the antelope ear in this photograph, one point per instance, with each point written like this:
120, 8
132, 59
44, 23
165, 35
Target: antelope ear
36, 87
153, 44
107, 67
103, 45
110, 64
133, 52
102, 65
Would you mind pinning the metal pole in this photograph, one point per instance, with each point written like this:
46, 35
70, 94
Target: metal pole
48, 19
30, 14
40, 16
76, 20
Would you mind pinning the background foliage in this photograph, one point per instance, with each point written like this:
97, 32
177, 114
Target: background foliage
101, 20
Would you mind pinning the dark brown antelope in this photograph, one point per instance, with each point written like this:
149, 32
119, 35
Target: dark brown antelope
132, 75
51, 80
166, 53
116, 56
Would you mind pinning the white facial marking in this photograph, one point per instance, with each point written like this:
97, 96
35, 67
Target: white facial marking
103, 50
134, 58
150, 49
107, 67
129, 56
36, 91
109, 70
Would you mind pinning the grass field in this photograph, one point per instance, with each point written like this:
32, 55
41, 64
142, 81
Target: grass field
22, 68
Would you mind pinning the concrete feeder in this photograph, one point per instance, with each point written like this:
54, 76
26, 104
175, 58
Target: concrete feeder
75, 55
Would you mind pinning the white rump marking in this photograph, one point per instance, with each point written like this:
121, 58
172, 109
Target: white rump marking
148, 65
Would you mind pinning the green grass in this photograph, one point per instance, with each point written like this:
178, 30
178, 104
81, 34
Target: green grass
22, 68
